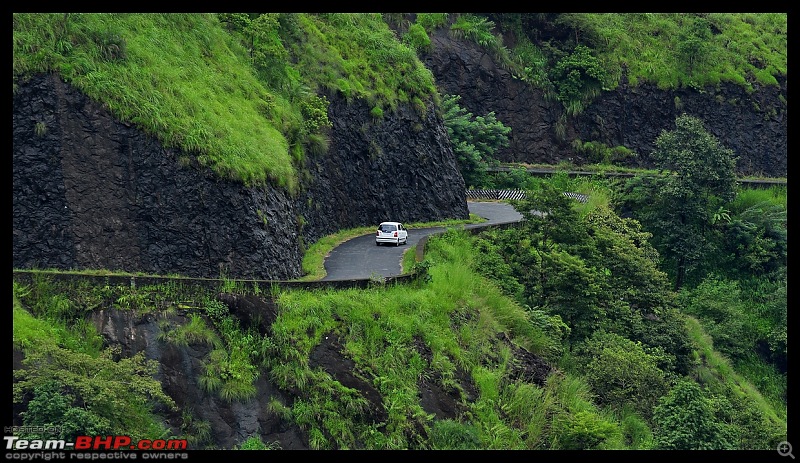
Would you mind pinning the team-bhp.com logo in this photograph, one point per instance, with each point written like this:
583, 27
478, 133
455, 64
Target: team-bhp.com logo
94, 443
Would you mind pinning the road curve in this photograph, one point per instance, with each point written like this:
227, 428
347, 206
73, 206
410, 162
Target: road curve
360, 258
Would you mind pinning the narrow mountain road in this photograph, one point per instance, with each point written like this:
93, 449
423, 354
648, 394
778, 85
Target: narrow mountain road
360, 258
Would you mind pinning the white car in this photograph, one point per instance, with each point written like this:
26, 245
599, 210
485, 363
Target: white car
392, 233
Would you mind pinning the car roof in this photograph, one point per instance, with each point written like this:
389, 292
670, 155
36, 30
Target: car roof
390, 223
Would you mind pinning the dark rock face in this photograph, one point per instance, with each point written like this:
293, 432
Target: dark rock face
180, 367
400, 168
753, 125
92, 192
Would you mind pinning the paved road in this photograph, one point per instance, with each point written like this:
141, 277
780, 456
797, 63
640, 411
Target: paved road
360, 258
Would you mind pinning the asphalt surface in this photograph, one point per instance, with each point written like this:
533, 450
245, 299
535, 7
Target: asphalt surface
360, 258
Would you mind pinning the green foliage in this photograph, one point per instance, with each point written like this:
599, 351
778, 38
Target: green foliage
600, 153
108, 392
754, 239
742, 322
452, 435
359, 55
685, 420
693, 42
194, 332
53, 408
217, 310
593, 270
217, 113
579, 78
417, 38
623, 372
678, 208
584, 430
255, 443
431, 21
475, 139
475, 28
243, 100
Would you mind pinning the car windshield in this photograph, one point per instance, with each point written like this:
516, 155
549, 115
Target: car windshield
387, 228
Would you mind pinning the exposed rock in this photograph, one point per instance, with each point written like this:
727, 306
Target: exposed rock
753, 125
180, 370
91, 192
400, 168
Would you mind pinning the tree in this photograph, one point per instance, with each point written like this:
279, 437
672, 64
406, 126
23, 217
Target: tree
475, 139
679, 206
93, 393
685, 420
622, 372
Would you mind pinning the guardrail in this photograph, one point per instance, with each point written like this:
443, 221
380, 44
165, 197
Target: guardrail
515, 194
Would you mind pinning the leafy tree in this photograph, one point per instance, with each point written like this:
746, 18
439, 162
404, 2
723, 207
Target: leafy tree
475, 139
685, 420
117, 396
678, 208
54, 408
621, 371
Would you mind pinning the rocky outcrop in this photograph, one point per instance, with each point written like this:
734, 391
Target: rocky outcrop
400, 168
91, 192
753, 125
180, 367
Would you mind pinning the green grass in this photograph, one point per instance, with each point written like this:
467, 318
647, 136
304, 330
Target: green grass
717, 372
458, 316
191, 83
378, 329
179, 77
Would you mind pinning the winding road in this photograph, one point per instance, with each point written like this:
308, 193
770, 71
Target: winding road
360, 258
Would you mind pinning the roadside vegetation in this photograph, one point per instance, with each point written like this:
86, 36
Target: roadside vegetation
659, 296
581, 288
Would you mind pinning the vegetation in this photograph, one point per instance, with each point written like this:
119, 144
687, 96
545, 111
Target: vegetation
72, 383
582, 291
669, 50
680, 207
245, 99
314, 257
659, 306
475, 139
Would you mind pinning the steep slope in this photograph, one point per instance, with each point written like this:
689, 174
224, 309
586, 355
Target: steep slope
753, 125
92, 192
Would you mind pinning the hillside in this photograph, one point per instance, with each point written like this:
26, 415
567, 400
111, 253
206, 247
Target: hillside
148, 148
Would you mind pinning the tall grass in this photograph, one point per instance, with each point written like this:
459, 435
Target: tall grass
181, 78
716, 372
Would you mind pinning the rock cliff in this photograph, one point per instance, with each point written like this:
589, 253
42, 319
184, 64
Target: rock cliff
753, 125
91, 192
